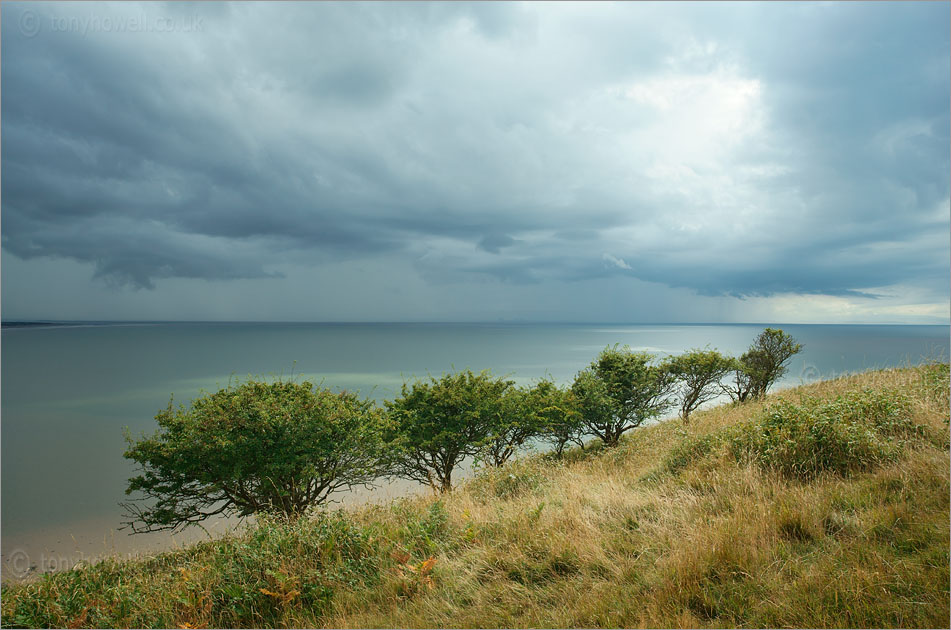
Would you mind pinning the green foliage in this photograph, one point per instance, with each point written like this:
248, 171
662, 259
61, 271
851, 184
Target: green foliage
887, 411
525, 415
424, 532
699, 373
854, 432
620, 391
762, 365
575, 543
934, 382
276, 570
250, 587
559, 422
436, 425
257, 447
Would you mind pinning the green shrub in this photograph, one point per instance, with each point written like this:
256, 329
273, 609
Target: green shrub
424, 532
888, 411
854, 432
934, 382
276, 570
288, 564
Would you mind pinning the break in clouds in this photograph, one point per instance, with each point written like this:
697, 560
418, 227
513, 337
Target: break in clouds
722, 159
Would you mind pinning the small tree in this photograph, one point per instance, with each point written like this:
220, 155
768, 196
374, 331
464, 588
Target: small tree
762, 365
436, 425
699, 373
773, 348
557, 408
278, 448
517, 423
740, 385
619, 391
542, 411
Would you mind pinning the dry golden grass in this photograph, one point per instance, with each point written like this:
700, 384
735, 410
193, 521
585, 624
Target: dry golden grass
604, 538
600, 543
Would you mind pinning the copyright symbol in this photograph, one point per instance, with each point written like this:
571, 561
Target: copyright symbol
810, 374
19, 563
29, 24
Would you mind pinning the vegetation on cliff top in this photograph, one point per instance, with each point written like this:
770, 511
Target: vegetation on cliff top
825, 505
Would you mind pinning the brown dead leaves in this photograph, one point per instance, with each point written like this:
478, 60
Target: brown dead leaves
414, 576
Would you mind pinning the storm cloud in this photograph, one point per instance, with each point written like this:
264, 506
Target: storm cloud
732, 151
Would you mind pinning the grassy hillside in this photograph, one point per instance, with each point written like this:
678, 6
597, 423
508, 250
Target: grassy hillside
825, 505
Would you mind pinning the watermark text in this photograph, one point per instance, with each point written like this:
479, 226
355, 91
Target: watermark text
31, 24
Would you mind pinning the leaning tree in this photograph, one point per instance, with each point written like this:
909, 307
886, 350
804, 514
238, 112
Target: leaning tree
278, 448
699, 374
436, 425
762, 365
619, 391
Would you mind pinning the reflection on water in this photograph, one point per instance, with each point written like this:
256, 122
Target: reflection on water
67, 392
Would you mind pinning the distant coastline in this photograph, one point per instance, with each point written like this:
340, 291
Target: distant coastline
72, 324
30, 324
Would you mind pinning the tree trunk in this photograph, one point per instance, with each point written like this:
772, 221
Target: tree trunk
446, 483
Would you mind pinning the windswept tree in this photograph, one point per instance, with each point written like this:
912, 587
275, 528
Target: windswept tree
277, 448
698, 374
544, 411
739, 386
620, 391
562, 423
515, 425
435, 425
762, 365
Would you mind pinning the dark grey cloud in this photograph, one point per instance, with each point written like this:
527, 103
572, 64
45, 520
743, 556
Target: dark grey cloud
494, 243
729, 149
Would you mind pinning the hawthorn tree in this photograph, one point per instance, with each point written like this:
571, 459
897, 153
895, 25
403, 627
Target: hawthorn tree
561, 422
740, 385
619, 391
257, 447
698, 374
762, 365
543, 411
516, 423
435, 425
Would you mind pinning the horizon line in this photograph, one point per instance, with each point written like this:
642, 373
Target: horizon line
7, 322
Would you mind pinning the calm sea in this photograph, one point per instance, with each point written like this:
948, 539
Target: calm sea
68, 391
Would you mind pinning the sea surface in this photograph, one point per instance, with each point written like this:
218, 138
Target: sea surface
68, 391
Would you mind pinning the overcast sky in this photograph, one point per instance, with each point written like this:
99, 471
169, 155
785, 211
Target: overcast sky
519, 162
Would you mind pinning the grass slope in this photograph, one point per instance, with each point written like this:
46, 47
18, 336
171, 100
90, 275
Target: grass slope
830, 509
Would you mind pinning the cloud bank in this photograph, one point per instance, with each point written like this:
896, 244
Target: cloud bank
702, 154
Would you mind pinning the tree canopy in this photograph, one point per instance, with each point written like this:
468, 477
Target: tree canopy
278, 448
437, 424
698, 373
619, 391
561, 422
762, 365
